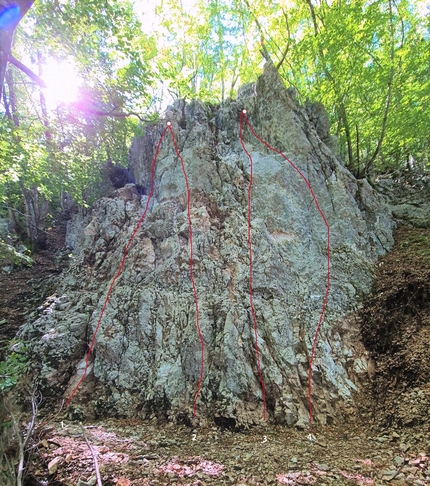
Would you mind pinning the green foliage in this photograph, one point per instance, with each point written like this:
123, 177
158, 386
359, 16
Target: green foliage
367, 61
45, 153
10, 256
23, 159
107, 43
13, 369
111, 54
205, 54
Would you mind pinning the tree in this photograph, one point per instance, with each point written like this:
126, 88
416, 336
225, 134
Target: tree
11, 13
205, 54
46, 154
365, 61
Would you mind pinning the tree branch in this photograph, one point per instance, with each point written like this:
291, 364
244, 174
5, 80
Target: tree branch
288, 42
390, 81
263, 51
27, 71
6, 33
314, 17
94, 111
96, 464
22, 444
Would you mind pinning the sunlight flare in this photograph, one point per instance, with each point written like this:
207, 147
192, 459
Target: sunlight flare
62, 81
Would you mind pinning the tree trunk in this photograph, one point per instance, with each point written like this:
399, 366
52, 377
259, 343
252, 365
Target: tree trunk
387, 107
36, 206
12, 97
15, 10
42, 99
36, 209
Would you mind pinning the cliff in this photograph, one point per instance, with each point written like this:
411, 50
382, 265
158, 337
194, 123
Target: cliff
147, 355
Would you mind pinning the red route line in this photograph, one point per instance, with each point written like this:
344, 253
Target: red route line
251, 302
91, 347
202, 343
324, 305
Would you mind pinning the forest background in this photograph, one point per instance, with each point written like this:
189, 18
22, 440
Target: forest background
85, 76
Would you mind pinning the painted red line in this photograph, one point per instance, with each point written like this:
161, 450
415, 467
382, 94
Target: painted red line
118, 273
324, 305
251, 292
91, 347
196, 299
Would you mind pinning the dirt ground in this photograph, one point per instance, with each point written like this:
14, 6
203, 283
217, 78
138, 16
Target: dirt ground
395, 323
145, 453
26, 288
387, 443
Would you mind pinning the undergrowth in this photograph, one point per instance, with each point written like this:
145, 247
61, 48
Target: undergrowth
395, 327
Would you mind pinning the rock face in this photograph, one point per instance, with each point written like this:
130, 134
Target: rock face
147, 354
408, 194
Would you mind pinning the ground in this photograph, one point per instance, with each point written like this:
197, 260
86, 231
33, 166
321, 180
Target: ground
386, 443
26, 288
396, 330
145, 453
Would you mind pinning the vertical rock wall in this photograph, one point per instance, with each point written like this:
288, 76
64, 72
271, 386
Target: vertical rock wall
147, 354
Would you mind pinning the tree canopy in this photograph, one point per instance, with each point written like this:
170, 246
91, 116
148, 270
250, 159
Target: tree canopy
367, 61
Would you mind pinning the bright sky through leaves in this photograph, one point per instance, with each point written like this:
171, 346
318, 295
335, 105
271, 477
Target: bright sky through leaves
62, 82
145, 10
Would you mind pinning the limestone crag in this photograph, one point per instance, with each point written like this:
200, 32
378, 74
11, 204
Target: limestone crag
147, 354
408, 193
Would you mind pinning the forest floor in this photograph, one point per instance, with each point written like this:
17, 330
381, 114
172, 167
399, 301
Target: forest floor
388, 442
26, 288
132, 453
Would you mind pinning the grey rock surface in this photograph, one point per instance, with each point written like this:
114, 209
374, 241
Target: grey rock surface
147, 354
408, 195
4, 228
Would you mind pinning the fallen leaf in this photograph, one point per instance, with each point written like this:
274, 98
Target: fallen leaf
123, 482
53, 465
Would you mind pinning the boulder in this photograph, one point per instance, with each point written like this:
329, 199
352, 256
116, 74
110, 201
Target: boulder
147, 359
